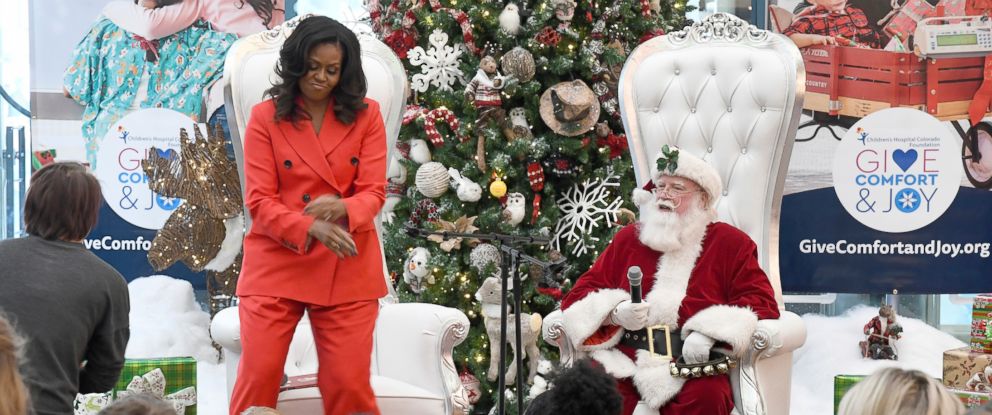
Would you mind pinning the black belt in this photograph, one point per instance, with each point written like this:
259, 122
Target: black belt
662, 341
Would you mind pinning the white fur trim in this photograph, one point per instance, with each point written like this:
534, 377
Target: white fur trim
641, 197
672, 277
731, 324
654, 381
584, 317
695, 169
231, 247
615, 363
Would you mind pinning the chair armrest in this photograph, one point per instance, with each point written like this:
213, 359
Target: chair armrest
782, 335
225, 329
414, 343
554, 333
763, 379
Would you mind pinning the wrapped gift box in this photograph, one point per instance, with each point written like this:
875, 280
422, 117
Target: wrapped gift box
971, 399
982, 302
981, 316
979, 345
979, 328
962, 364
179, 372
172, 379
842, 384
904, 22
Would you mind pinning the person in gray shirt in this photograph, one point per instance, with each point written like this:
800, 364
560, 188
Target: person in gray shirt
70, 306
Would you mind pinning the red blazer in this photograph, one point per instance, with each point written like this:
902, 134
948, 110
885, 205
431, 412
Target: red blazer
286, 167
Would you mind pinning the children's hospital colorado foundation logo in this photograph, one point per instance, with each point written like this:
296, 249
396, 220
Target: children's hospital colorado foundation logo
897, 170
124, 183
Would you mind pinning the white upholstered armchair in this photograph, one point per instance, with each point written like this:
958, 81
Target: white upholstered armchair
731, 94
413, 372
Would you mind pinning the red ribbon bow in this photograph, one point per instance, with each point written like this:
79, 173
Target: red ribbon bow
616, 142
150, 47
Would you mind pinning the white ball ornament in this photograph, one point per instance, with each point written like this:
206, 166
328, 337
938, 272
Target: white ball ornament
432, 179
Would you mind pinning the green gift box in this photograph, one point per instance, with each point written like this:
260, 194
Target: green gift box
180, 373
842, 384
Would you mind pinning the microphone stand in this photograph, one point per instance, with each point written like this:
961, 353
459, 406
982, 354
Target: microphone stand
510, 253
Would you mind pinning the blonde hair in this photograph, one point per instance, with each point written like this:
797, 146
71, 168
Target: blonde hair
896, 391
13, 393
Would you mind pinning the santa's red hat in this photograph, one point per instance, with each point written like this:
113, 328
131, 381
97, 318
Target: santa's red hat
673, 162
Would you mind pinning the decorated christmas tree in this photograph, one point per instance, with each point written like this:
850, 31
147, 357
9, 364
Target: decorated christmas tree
514, 128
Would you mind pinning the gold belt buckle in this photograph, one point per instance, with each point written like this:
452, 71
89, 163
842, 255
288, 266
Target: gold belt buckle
668, 340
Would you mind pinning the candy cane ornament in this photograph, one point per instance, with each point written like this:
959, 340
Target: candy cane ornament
430, 125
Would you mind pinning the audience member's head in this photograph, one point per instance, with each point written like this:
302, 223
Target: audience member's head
13, 393
260, 410
139, 404
583, 389
897, 391
62, 203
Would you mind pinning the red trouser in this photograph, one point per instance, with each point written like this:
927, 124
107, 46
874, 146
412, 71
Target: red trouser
708, 395
343, 337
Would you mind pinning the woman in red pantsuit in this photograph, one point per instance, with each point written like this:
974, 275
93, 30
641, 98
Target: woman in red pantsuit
315, 173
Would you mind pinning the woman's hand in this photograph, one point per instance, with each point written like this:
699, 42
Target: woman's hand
326, 207
334, 237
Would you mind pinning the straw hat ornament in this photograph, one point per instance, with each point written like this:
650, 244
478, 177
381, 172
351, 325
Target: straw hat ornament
569, 108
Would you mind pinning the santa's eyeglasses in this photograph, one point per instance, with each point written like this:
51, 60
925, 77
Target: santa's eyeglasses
672, 191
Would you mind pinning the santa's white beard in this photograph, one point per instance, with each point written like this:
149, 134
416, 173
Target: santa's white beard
664, 230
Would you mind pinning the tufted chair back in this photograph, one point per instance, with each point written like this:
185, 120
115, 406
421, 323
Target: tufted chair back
731, 94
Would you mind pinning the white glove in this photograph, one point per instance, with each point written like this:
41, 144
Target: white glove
696, 347
632, 316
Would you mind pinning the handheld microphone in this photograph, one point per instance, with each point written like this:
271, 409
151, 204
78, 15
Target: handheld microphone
634, 277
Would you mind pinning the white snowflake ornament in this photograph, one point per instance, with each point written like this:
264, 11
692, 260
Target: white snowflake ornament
438, 65
584, 207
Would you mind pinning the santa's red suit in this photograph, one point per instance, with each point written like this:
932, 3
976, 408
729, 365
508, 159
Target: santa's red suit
713, 284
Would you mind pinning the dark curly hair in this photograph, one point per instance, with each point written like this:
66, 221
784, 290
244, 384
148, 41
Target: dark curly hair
583, 389
350, 90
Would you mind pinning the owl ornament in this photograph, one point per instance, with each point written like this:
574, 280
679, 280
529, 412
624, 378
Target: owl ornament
515, 208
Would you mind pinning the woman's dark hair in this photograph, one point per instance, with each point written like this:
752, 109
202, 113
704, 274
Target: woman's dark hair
63, 202
263, 8
293, 64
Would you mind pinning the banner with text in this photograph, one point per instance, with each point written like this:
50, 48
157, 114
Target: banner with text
887, 207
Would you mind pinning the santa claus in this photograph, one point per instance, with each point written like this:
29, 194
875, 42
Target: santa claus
705, 289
